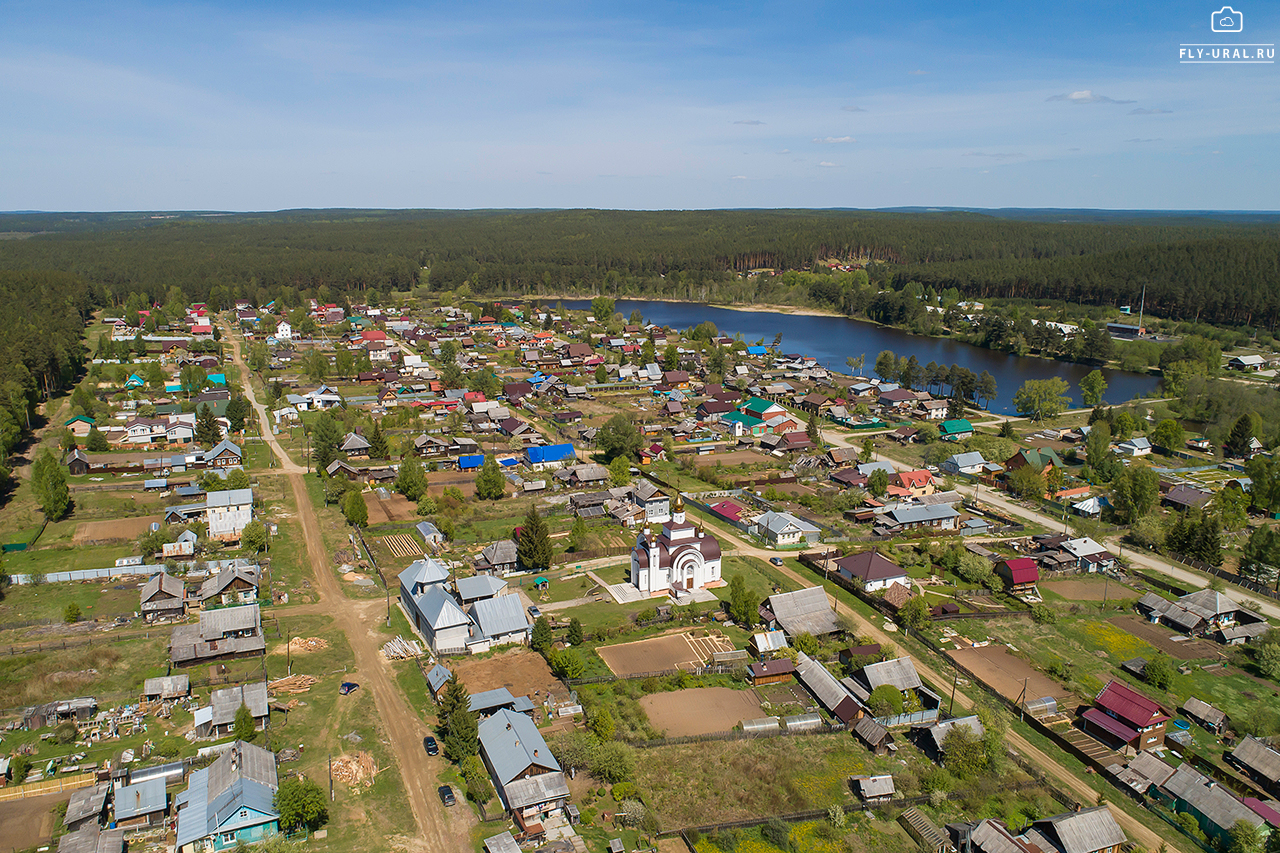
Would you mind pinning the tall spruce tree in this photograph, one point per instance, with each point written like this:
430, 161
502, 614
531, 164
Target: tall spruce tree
534, 548
378, 447
208, 432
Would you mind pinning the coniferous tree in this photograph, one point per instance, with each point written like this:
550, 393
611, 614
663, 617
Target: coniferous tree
411, 481
324, 440
208, 431
534, 547
490, 483
378, 448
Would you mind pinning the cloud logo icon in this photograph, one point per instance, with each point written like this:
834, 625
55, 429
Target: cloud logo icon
1227, 20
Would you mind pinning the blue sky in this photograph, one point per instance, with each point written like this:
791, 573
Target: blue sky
264, 106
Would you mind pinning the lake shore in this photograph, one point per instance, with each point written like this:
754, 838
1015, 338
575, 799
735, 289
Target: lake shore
752, 307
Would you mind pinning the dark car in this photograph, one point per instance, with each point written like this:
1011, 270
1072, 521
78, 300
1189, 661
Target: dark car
348, 687
430, 745
446, 795
777, 561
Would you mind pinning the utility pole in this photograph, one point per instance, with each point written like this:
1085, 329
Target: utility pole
952, 706
1022, 700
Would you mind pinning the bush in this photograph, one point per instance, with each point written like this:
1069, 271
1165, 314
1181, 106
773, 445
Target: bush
613, 762
885, 701
66, 732
71, 613
300, 802
1043, 614
625, 791
777, 833
726, 840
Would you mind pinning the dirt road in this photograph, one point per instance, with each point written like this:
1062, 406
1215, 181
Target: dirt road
437, 830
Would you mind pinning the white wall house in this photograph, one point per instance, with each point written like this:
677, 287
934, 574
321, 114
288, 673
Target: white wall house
228, 513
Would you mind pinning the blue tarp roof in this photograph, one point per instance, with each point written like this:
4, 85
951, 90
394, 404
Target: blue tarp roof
551, 453
468, 462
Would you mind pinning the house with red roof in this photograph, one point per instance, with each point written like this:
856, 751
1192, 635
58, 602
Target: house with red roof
1126, 720
916, 483
373, 335
728, 510
1020, 574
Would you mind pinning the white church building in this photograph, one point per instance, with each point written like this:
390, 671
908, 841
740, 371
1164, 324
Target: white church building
682, 557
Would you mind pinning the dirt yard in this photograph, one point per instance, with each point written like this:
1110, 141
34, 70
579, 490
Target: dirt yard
734, 457
1162, 639
1089, 590
1005, 673
117, 529
394, 508
28, 823
670, 651
522, 671
700, 710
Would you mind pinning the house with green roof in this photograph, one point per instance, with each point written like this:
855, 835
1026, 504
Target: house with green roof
762, 409
80, 425
956, 429
745, 424
1039, 459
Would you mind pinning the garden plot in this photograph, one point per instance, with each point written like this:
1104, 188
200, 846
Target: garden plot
1164, 639
1088, 590
115, 530
522, 671
700, 710
681, 650
1005, 673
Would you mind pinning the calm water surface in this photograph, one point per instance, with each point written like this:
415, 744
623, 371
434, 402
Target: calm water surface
831, 340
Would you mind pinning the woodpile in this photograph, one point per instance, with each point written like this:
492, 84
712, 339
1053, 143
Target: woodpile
357, 769
292, 684
402, 649
302, 645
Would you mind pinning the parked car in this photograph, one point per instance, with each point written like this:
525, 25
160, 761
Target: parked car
348, 687
446, 795
777, 561
534, 611
430, 745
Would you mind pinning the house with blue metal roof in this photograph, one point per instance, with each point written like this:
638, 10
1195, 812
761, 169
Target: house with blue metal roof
142, 804
230, 802
551, 456
501, 620
437, 678
525, 774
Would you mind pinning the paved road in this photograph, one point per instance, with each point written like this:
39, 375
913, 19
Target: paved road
437, 830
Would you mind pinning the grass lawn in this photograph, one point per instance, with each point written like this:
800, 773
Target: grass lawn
98, 600
361, 818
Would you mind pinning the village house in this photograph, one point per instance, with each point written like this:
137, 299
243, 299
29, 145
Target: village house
655, 503
140, 805
1257, 761
1020, 575
874, 571
235, 584
526, 776
222, 634
804, 611
226, 703
1125, 719
230, 802
164, 597
499, 558
783, 528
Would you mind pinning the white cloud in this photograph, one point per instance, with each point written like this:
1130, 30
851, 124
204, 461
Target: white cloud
850, 108
1157, 139
1086, 97
996, 155
1155, 112
917, 73
833, 140
785, 151
827, 165
750, 121
738, 178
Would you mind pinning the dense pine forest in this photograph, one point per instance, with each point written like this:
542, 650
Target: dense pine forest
55, 268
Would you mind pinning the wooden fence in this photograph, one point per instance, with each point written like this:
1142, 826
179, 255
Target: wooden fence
56, 785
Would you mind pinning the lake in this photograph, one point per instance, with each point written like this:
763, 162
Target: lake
831, 340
